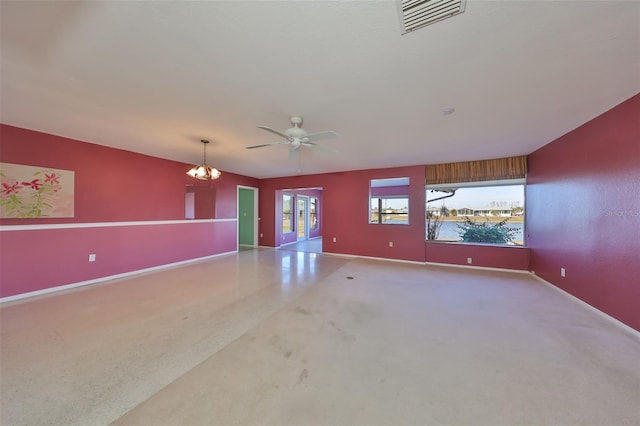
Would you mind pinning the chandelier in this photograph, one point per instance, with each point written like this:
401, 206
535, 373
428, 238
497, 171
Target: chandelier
202, 171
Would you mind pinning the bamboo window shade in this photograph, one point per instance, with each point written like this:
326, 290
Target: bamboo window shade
477, 171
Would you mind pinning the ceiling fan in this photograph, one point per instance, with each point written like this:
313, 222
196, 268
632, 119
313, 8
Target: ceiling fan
296, 137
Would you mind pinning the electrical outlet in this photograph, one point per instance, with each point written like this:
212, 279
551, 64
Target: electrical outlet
261, 235
390, 243
334, 239
92, 258
563, 272
469, 260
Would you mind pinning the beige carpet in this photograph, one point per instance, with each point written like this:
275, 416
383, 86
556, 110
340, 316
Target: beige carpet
278, 337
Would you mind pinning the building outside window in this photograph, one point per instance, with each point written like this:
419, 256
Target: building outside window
476, 213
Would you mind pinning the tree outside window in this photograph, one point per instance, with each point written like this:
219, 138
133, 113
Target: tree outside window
476, 213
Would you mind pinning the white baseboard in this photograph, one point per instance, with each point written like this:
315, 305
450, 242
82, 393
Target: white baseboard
415, 262
386, 259
288, 244
604, 315
349, 256
107, 278
484, 268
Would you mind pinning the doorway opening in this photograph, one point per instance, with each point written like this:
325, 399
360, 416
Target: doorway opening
299, 219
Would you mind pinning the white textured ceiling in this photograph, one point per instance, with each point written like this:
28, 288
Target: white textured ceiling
156, 77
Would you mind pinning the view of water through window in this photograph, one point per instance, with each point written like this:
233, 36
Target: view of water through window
488, 214
450, 231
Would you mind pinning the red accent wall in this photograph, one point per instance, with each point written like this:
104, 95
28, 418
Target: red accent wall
111, 185
345, 210
482, 255
583, 212
205, 203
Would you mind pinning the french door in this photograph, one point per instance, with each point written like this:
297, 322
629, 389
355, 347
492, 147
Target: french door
302, 217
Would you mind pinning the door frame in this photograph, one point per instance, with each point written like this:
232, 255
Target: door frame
256, 219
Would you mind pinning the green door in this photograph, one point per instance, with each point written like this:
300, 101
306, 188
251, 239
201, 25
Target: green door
246, 221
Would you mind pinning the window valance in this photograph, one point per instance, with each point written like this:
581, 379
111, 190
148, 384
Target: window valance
477, 171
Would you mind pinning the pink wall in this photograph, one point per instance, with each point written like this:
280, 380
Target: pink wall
583, 212
111, 185
114, 185
481, 255
345, 211
39, 259
204, 202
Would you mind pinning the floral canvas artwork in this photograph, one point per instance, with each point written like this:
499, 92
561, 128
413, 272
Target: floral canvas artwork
30, 192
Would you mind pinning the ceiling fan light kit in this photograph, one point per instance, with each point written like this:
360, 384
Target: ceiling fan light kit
296, 137
202, 171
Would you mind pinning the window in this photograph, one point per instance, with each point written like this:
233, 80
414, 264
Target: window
389, 201
286, 213
313, 216
478, 212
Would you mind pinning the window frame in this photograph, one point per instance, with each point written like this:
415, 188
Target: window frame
314, 221
480, 184
402, 181
284, 218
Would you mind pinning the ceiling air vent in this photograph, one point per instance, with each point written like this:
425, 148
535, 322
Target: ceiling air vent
416, 14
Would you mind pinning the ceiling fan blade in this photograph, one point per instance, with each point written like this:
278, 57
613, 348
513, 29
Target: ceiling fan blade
269, 129
329, 134
266, 144
317, 147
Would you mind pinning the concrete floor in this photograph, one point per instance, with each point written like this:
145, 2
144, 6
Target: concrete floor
283, 337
